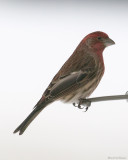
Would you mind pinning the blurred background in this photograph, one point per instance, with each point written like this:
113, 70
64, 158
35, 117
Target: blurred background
36, 38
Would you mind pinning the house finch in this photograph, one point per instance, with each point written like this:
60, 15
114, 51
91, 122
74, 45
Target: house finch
77, 78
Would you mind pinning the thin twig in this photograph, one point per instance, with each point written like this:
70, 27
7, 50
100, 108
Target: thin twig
87, 102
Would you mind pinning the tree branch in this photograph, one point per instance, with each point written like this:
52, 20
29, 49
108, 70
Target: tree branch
87, 102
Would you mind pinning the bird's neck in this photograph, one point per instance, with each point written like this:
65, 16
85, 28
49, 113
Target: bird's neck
100, 57
99, 54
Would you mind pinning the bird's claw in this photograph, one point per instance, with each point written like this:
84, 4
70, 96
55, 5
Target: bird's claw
74, 104
86, 108
88, 104
78, 105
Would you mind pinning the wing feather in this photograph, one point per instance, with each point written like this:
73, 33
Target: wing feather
70, 81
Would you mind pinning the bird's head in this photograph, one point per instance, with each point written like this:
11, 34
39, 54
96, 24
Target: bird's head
98, 40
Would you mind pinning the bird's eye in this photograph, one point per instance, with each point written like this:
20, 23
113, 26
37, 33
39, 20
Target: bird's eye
99, 38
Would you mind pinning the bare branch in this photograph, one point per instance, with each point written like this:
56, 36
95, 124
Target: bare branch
87, 102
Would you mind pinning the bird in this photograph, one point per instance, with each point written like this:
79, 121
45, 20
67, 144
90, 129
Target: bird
77, 78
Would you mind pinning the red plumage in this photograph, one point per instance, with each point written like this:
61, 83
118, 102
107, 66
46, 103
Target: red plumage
77, 78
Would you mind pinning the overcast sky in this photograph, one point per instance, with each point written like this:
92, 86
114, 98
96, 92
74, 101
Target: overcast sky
36, 38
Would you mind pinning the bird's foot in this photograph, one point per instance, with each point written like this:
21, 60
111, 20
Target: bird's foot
81, 102
77, 105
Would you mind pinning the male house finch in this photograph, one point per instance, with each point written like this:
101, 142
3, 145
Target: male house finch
77, 78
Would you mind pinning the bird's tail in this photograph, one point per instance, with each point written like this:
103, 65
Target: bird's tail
37, 109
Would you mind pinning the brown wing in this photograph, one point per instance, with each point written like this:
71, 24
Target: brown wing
67, 83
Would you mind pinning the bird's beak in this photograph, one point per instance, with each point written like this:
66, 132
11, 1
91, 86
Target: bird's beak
108, 42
